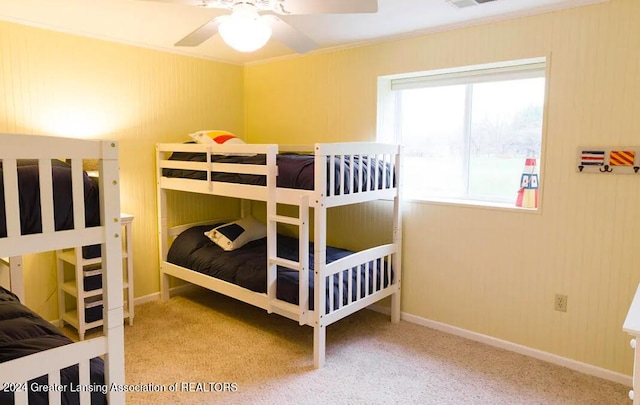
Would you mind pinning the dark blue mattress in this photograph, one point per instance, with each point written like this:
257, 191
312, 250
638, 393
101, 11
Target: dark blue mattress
246, 266
23, 332
29, 200
294, 171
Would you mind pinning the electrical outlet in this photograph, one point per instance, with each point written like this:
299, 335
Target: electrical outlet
560, 303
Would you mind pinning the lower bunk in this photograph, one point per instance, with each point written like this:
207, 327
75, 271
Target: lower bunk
349, 281
46, 366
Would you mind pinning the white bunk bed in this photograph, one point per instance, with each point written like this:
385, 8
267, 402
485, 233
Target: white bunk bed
328, 191
17, 373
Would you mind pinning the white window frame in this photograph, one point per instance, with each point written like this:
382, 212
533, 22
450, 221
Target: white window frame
388, 124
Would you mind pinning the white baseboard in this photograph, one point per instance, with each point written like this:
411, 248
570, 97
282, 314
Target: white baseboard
513, 347
156, 296
146, 298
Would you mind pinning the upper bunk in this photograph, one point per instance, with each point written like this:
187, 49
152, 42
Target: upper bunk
327, 174
46, 199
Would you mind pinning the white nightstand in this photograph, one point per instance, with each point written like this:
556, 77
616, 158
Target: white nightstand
85, 286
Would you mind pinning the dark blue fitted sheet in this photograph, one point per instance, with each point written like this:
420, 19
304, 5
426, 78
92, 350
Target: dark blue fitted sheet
29, 197
23, 332
246, 266
294, 171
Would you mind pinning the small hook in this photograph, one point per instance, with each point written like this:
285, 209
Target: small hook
636, 168
606, 169
580, 167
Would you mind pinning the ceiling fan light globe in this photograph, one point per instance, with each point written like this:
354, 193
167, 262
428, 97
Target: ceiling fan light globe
244, 33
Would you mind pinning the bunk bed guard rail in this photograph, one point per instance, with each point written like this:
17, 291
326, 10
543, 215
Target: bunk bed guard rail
358, 172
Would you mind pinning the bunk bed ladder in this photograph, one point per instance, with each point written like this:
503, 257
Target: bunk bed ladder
302, 265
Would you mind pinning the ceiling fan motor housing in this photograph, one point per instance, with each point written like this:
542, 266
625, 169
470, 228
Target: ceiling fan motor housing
246, 30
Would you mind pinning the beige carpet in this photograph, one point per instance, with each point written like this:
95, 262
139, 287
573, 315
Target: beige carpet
203, 337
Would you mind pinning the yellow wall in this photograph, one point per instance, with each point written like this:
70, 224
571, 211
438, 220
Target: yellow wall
58, 84
490, 271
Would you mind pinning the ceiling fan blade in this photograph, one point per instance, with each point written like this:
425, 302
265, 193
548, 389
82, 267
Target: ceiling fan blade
327, 6
288, 35
201, 34
198, 3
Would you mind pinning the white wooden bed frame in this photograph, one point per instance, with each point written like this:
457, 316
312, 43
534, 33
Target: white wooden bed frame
111, 345
317, 199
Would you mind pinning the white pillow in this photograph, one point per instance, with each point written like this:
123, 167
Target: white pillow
238, 233
213, 137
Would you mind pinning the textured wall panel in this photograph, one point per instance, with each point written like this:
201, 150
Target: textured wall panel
493, 271
58, 84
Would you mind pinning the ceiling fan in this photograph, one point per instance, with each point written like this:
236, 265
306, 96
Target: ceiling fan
252, 22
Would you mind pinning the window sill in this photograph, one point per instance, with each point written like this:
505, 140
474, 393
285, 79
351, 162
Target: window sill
495, 206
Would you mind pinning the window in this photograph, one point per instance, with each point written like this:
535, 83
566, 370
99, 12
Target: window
466, 132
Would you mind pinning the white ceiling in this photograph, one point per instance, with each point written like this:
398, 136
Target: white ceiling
159, 25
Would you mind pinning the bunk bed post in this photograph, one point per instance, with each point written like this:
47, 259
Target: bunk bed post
112, 270
303, 259
397, 237
61, 292
16, 277
163, 233
163, 230
12, 204
245, 208
82, 326
5, 274
272, 228
320, 252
